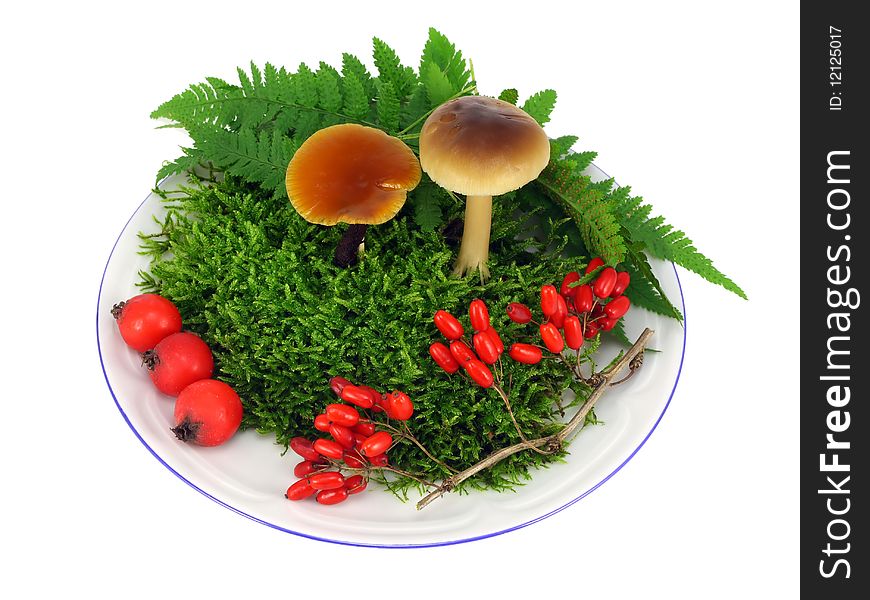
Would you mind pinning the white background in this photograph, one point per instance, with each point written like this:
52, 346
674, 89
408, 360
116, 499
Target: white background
696, 107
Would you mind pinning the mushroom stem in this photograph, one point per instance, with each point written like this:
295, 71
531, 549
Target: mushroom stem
347, 251
474, 249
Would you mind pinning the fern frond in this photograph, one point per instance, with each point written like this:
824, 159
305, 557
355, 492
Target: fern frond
388, 107
510, 96
645, 290
585, 203
351, 66
541, 105
560, 146
663, 241
390, 69
442, 54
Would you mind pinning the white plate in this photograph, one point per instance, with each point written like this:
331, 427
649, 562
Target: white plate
249, 475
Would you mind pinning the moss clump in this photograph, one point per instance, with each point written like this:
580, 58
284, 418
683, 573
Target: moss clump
258, 284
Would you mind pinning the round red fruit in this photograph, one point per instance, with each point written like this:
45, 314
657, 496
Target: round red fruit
485, 347
299, 490
401, 407
443, 358
552, 338
605, 283
479, 315
519, 313
617, 307
573, 332
336, 384
379, 461
207, 413
377, 444
354, 460
591, 331
366, 428
177, 361
146, 319
341, 434
526, 354
306, 468
342, 414
332, 496
448, 325
606, 323
321, 423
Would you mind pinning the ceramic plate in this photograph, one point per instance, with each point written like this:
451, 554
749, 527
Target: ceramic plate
249, 475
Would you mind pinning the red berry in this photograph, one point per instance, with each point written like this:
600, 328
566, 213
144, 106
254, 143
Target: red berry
604, 283
558, 318
573, 332
485, 347
496, 339
357, 395
321, 423
208, 412
479, 372
336, 384
355, 484
332, 496
525, 353
617, 307
594, 264
552, 338
379, 461
304, 448
365, 428
443, 358
342, 414
299, 490
479, 315
448, 325
606, 323
377, 444
306, 468
374, 394
591, 331
566, 289
328, 448
622, 281
145, 320
342, 435
177, 361
461, 352
354, 460
549, 301
328, 480
359, 438
519, 313
583, 299
401, 407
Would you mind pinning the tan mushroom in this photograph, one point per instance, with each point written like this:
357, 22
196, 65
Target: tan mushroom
481, 147
351, 174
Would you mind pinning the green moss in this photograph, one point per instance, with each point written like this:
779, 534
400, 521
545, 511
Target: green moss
257, 283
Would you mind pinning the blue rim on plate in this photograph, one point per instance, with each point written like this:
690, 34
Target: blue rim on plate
361, 544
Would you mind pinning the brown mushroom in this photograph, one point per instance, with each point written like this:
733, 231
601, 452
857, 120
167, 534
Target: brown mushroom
351, 174
481, 147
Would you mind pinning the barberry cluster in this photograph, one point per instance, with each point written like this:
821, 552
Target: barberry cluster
576, 311
356, 446
486, 341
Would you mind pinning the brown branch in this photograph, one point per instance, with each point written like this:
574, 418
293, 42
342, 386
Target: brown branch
553, 442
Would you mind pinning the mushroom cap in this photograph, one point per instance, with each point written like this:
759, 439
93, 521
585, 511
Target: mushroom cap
351, 174
482, 146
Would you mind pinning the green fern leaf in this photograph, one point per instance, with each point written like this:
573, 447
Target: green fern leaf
510, 95
437, 85
388, 108
390, 69
416, 108
328, 91
663, 241
356, 99
560, 146
441, 53
184, 163
352, 66
541, 105
645, 290
427, 200
586, 204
